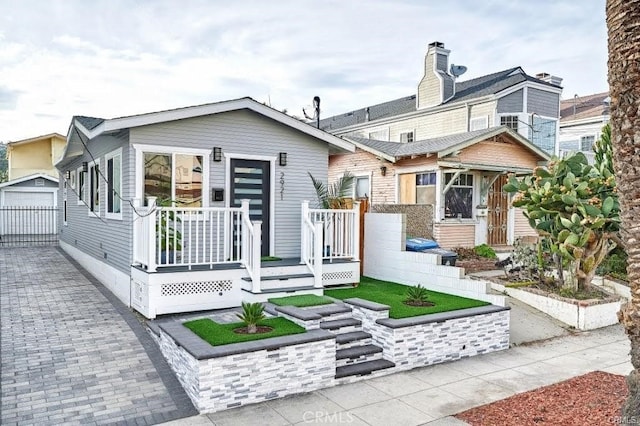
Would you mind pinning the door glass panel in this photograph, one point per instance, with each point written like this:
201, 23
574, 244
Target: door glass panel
189, 180
157, 176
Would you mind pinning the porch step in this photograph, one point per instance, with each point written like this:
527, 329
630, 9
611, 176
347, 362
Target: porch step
281, 277
335, 326
363, 368
354, 336
281, 290
358, 351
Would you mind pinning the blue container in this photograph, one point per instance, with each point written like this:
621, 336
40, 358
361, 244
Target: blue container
420, 244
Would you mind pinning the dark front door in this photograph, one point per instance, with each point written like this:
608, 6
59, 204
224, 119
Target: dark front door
250, 180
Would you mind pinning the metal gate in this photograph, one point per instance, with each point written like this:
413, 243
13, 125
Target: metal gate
497, 218
28, 226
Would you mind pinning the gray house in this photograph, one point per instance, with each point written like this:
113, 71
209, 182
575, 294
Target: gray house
186, 209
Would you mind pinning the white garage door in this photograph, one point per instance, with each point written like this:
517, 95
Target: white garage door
28, 213
22, 199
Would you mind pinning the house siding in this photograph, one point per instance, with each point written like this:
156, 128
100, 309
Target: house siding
108, 240
511, 103
543, 103
451, 236
499, 153
521, 226
246, 132
31, 183
485, 109
429, 89
364, 163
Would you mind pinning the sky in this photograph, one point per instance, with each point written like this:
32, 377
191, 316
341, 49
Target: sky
113, 58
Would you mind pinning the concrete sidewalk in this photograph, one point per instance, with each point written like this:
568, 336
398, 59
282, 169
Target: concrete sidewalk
430, 395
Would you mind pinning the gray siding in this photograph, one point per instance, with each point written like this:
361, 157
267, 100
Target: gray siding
246, 132
108, 240
543, 103
441, 63
31, 183
511, 103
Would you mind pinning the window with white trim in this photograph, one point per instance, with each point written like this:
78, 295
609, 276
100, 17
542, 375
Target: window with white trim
511, 121
479, 123
586, 143
406, 137
93, 183
177, 177
361, 187
426, 188
114, 184
379, 135
458, 201
72, 179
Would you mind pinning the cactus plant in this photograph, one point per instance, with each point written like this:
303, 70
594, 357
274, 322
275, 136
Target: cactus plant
575, 206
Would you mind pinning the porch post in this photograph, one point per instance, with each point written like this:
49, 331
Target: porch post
244, 236
136, 231
317, 254
151, 234
356, 230
255, 256
303, 231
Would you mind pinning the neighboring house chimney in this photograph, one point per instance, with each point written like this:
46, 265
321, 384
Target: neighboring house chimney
551, 79
437, 86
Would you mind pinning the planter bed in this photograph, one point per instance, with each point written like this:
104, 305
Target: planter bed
581, 314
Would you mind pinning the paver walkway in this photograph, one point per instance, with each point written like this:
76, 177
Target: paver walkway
73, 354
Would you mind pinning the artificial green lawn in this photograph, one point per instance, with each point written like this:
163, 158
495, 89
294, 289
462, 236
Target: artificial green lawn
301, 301
394, 294
222, 334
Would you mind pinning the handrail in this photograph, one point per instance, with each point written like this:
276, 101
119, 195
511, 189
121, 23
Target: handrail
251, 245
341, 233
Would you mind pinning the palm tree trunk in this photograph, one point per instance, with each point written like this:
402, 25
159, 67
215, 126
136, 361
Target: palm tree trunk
623, 23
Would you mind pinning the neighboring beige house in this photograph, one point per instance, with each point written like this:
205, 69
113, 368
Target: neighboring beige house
442, 106
35, 155
461, 175
581, 122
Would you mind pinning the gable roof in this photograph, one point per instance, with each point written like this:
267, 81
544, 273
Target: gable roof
37, 138
479, 87
442, 146
26, 178
91, 127
583, 107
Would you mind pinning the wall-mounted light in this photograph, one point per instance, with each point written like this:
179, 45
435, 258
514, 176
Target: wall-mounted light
283, 158
85, 166
67, 174
383, 170
217, 153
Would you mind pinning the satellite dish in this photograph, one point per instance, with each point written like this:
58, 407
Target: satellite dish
457, 70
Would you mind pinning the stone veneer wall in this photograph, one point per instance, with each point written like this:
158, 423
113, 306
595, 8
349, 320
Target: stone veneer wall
419, 217
433, 339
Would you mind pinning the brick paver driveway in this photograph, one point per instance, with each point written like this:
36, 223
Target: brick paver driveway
72, 354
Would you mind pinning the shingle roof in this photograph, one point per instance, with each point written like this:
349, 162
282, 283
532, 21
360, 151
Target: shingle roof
426, 146
465, 90
584, 107
89, 123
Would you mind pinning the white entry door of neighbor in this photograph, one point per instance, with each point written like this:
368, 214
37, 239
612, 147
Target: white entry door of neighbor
28, 213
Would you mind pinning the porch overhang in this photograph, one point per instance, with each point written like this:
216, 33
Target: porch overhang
485, 167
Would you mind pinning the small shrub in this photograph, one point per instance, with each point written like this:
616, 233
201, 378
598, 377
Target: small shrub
465, 253
484, 250
417, 295
615, 264
252, 314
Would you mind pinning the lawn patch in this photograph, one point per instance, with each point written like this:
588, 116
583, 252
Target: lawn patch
222, 334
301, 301
394, 295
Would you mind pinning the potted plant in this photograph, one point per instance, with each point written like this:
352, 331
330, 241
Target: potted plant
170, 238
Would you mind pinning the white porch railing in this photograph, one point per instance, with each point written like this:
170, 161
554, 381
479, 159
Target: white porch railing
340, 230
178, 236
311, 245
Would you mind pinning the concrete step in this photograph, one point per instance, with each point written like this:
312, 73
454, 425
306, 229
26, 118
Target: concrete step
355, 338
364, 368
278, 282
358, 355
342, 325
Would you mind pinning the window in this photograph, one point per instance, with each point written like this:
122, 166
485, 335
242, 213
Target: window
82, 179
380, 135
94, 189
114, 184
361, 187
406, 137
458, 201
511, 121
174, 177
480, 123
586, 143
72, 179
543, 133
39, 182
426, 188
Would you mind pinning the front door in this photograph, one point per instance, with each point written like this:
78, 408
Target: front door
250, 180
497, 217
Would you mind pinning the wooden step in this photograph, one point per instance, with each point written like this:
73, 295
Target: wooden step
358, 351
363, 368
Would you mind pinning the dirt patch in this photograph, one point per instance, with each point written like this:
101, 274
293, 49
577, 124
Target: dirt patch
594, 398
417, 303
477, 265
260, 330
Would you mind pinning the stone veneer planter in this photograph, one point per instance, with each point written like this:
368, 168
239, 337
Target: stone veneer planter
581, 314
222, 377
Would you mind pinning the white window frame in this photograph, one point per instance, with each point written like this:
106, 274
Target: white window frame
141, 149
384, 130
484, 120
92, 210
81, 191
580, 146
110, 156
517, 117
355, 184
443, 198
413, 136
72, 179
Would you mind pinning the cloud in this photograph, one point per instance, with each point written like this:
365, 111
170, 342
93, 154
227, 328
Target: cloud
8, 98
